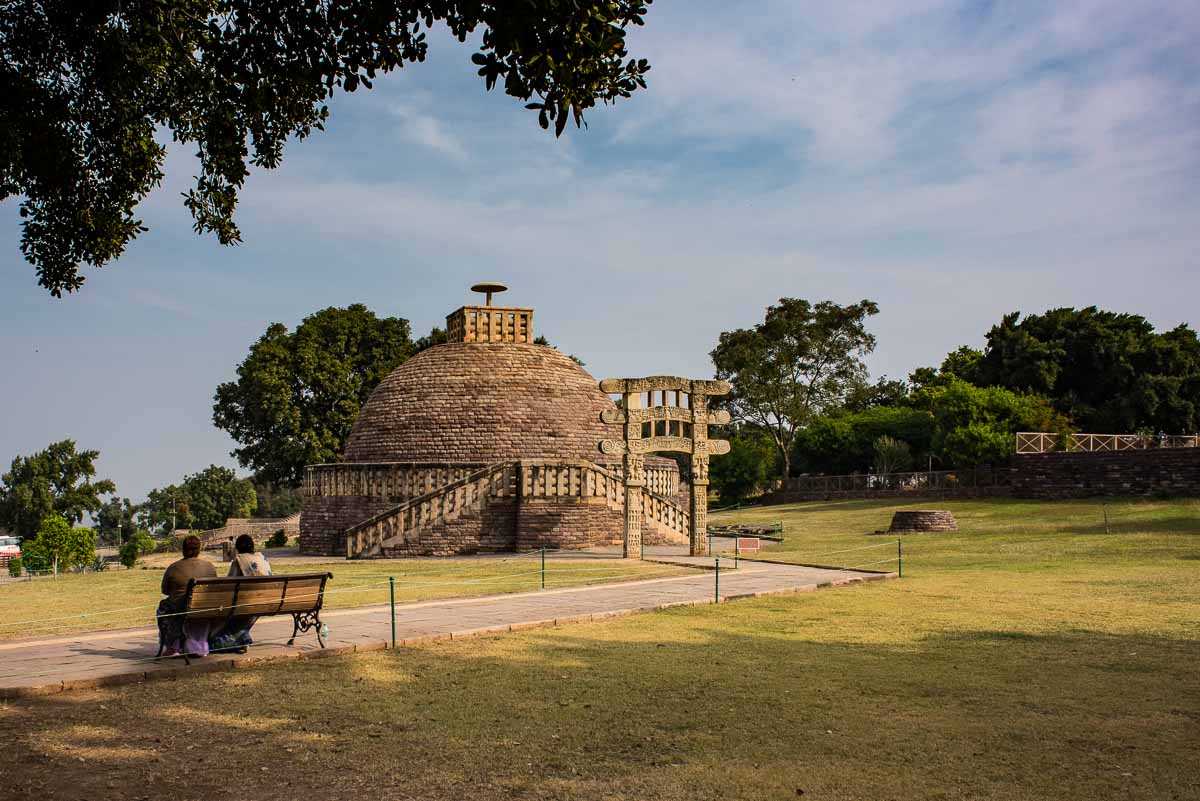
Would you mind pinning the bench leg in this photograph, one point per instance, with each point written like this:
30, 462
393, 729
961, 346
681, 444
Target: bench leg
303, 621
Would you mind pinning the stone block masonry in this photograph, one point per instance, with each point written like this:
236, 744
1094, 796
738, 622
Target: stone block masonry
1166, 472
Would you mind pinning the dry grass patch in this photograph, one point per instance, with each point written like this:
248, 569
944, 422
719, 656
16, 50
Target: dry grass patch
1059, 667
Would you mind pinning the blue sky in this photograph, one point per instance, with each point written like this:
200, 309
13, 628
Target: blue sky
952, 161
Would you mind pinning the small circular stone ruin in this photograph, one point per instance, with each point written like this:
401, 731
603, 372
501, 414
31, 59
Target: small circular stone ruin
912, 520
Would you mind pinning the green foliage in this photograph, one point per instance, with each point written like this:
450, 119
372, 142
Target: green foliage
15, 565
298, 393
115, 521
202, 500
747, 469
279, 539
276, 501
216, 493
135, 547
58, 546
89, 86
1107, 372
803, 360
845, 443
974, 425
56, 481
891, 455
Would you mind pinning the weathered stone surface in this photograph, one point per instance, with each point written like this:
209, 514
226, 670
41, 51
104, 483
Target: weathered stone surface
482, 403
459, 408
1143, 473
909, 520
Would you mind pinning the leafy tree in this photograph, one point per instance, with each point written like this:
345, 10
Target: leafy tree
800, 362
884, 392
276, 501
747, 468
56, 481
58, 546
975, 425
299, 392
844, 442
215, 494
203, 500
137, 546
891, 455
165, 509
1107, 372
115, 520
88, 85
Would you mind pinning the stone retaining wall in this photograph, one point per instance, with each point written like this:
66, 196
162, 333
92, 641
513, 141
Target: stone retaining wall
1144, 473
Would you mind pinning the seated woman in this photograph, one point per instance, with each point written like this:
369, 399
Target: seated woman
235, 634
174, 633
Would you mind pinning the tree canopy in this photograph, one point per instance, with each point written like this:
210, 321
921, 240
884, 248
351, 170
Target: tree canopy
801, 361
55, 481
1108, 372
203, 500
89, 86
298, 393
58, 546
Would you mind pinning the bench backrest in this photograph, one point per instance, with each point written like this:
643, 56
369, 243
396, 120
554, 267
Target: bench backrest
221, 597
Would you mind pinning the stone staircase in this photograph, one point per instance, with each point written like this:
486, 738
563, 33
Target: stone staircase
404, 525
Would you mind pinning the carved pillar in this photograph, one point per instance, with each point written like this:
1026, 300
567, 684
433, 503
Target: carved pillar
635, 479
698, 533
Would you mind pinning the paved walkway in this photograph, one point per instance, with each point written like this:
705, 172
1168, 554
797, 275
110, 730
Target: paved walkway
35, 667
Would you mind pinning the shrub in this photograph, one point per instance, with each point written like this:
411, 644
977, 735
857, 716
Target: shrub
746, 470
14, 567
278, 540
135, 547
59, 547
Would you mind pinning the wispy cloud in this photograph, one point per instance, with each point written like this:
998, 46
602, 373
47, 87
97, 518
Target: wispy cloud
424, 129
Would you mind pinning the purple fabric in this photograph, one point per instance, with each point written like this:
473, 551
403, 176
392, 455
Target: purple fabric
195, 637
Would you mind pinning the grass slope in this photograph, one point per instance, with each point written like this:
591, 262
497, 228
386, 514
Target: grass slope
1030, 656
121, 599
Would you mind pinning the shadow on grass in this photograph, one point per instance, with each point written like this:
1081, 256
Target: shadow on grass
684, 705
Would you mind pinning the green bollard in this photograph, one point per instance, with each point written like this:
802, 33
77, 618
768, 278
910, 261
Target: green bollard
392, 593
717, 581
543, 567
899, 559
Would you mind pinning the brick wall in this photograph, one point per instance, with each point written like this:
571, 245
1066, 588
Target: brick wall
325, 519
1169, 471
566, 522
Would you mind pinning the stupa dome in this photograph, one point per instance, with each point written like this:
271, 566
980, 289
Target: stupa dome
479, 402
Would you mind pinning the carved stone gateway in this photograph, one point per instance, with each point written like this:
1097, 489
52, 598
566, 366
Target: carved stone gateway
677, 422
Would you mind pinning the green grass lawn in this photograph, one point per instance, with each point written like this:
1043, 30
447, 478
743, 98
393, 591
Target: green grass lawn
1028, 656
125, 598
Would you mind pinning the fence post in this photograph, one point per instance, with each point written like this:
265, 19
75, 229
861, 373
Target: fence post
717, 581
543, 567
392, 597
899, 559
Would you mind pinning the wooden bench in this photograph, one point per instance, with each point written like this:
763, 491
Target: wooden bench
220, 598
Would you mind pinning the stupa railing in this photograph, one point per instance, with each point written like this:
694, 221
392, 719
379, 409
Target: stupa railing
401, 524
400, 480
465, 488
396, 480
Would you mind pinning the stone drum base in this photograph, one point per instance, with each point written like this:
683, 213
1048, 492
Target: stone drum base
914, 520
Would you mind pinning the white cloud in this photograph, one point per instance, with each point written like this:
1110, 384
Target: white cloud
424, 129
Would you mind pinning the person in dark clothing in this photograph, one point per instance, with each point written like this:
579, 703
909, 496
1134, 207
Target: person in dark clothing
177, 635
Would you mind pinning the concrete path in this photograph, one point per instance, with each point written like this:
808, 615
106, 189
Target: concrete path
43, 666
